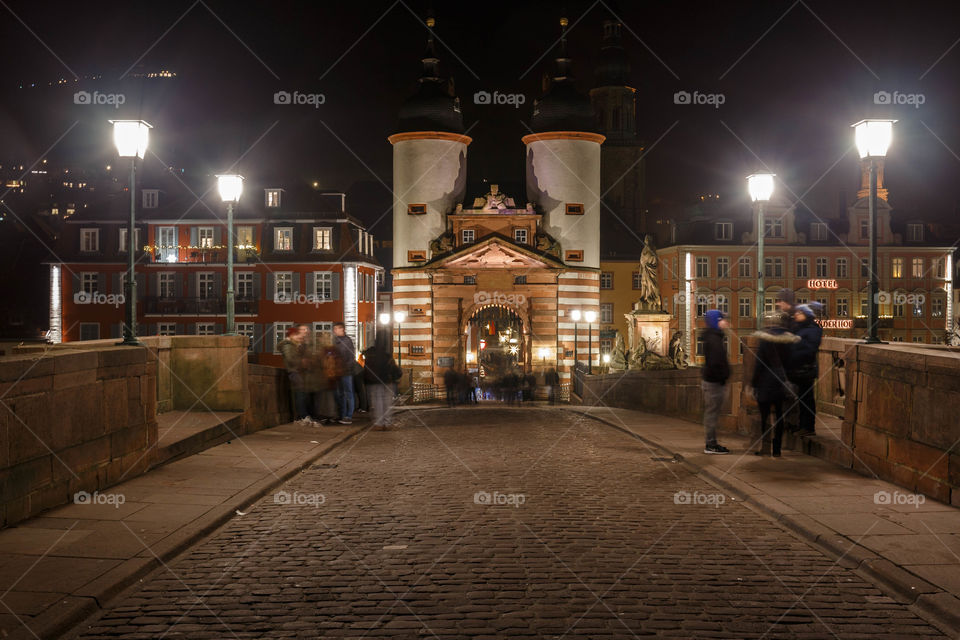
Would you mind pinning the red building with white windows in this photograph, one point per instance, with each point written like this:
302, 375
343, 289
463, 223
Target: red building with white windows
299, 257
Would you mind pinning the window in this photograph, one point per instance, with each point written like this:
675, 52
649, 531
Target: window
519, 279
606, 345
151, 198
703, 267
864, 229
818, 231
918, 339
745, 309
800, 299
916, 267
89, 283
246, 329
245, 285
745, 267
843, 307
205, 329
915, 232
416, 209
466, 279
89, 240
283, 239
244, 237
824, 302
896, 268
205, 237
323, 330
699, 347
918, 307
283, 287
940, 267
123, 239
767, 305
773, 227
166, 285
89, 330
637, 283
271, 197
702, 306
166, 329
723, 230
606, 280
803, 268
936, 309
574, 209
896, 339
842, 267
206, 287
773, 267
864, 268
723, 268
864, 306
167, 244
723, 304
322, 238
467, 236
416, 256
323, 285
573, 255
380, 279
520, 236
280, 334
897, 309
606, 312
822, 271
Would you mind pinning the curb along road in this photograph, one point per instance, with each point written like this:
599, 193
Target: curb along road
933, 603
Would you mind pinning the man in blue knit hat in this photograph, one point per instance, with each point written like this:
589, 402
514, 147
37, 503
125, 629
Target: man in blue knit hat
716, 370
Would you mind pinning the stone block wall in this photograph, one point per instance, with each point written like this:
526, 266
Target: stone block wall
71, 421
269, 398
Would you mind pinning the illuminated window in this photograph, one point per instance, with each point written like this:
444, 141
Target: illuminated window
244, 237
89, 240
896, 268
205, 237
322, 238
283, 239
271, 197
916, 268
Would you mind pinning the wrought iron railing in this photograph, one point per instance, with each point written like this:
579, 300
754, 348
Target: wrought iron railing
198, 306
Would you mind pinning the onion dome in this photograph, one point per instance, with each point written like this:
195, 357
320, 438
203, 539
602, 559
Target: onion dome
433, 107
562, 107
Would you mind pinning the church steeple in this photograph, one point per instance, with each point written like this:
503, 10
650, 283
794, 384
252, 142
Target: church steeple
562, 107
434, 106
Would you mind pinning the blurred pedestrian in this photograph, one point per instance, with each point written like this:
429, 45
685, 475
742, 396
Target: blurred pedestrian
769, 378
380, 372
716, 371
348, 360
296, 359
450, 386
803, 370
551, 380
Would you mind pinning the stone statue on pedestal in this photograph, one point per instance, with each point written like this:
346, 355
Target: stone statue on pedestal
649, 285
618, 357
643, 358
677, 353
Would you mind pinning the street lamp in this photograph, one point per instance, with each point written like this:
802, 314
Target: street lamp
760, 186
575, 314
398, 318
131, 138
590, 317
230, 187
873, 139
606, 362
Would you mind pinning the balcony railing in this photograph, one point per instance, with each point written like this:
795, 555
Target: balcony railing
205, 255
198, 306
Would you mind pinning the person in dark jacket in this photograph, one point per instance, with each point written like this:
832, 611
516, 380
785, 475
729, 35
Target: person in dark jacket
803, 370
551, 380
769, 379
716, 370
380, 372
348, 359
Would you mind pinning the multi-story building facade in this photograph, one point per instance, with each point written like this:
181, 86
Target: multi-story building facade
712, 263
299, 258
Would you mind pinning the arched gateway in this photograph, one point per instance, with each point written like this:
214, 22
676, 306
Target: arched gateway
462, 267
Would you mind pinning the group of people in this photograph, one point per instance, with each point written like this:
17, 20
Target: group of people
329, 384
784, 368
461, 387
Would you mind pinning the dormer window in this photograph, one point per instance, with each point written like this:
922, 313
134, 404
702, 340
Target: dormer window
723, 231
322, 238
818, 231
467, 236
915, 232
271, 198
520, 236
151, 197
89, 240
773, 227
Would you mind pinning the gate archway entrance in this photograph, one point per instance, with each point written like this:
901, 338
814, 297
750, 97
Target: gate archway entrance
496, 341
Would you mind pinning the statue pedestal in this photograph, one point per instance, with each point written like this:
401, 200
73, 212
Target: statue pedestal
653, 327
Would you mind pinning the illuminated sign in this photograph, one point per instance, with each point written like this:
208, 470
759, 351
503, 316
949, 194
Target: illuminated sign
822, 284
836, 324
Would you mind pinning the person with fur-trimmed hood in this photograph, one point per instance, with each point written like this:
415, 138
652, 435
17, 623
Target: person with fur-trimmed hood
769, 379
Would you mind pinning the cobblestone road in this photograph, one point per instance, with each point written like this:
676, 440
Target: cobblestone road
503, 523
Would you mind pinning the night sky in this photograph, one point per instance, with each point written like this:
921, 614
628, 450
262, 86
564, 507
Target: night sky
794, 76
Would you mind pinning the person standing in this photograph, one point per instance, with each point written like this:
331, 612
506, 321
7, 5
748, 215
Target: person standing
716, 371
769, 378
348, 358
380, 372
551, 380
803, 370
296, 359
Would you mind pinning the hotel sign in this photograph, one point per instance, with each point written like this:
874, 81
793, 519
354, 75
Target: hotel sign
836, 324
822, 284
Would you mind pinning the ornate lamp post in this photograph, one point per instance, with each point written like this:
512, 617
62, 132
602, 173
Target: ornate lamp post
575, 315
131, 138
873, 139
590, 317
230, 187
760, 186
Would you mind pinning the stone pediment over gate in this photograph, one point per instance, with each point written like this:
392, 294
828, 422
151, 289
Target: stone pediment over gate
496, 254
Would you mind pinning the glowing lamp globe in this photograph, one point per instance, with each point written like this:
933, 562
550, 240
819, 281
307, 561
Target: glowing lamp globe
760, 186
873, 137
131, 137
230, 187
